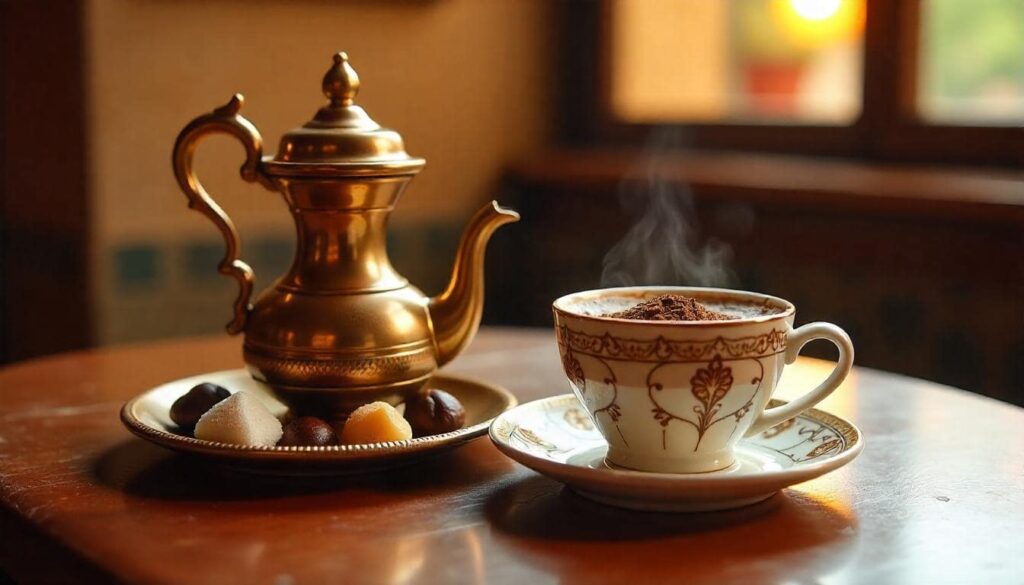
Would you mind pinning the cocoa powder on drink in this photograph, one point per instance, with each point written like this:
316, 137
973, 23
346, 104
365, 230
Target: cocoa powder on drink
670, 308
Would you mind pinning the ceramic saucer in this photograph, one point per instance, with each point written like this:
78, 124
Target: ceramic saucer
147, 415
555, 437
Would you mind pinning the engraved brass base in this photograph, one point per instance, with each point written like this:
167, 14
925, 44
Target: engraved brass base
335, 404
332, 387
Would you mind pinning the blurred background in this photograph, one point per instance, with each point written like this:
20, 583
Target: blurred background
862, 158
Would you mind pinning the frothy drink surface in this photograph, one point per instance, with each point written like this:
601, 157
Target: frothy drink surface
609, 306
742, 310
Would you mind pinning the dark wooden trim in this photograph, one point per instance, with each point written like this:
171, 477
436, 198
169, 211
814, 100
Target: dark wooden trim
580, 26
44, 208
882, 86
906, 16
985, 196
913, 142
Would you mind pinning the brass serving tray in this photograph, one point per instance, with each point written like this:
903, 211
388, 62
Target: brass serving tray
147, 416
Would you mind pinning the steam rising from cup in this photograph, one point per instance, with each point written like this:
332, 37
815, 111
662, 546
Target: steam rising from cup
663, 246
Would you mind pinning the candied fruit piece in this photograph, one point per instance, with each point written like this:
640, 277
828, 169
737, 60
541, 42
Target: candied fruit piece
373, 423
241, 420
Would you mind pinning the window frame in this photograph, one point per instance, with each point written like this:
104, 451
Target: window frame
888, 128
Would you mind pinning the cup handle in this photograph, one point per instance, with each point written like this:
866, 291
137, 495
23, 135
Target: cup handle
795, 341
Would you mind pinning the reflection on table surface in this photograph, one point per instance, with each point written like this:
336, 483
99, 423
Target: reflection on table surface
937, 495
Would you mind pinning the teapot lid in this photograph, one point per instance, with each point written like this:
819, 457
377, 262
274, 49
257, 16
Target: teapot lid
342, 139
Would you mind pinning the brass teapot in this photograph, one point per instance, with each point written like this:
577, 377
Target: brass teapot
342, 328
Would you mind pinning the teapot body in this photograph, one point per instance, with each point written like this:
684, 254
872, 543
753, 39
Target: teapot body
341, 317
327, 354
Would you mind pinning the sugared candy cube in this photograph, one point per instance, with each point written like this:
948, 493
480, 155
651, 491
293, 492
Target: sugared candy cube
241, 420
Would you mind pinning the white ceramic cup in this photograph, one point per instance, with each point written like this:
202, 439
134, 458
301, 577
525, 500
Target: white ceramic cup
677, 396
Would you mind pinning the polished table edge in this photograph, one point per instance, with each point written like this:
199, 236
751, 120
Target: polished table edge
492, 343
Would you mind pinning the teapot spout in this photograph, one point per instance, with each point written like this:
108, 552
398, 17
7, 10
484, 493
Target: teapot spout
455, 313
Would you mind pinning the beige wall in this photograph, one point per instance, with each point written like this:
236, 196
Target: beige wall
465, 81
670, 59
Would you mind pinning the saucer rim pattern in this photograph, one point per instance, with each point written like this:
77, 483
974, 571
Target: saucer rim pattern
798, 472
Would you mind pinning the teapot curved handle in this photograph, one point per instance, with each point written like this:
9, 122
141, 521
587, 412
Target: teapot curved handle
223, 120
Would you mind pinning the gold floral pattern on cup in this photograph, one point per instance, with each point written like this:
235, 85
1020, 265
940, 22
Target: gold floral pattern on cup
709, 384
660, 349
678, 396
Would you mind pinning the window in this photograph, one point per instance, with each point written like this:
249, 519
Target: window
971, 61
900, 80
795, 61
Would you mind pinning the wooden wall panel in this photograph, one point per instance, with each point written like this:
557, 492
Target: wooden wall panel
44, 285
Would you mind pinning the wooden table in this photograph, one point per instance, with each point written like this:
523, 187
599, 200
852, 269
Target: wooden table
936, 497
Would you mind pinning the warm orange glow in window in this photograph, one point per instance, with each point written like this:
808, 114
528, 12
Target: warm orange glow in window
789, 61
814, 23
816, 9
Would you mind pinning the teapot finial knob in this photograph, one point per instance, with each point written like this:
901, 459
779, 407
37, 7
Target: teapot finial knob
341, 83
